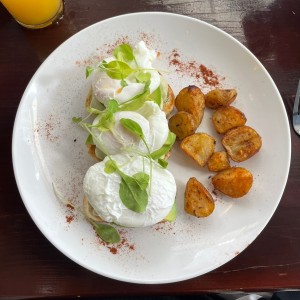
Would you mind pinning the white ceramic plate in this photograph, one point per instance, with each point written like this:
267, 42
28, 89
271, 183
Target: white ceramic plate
49, 149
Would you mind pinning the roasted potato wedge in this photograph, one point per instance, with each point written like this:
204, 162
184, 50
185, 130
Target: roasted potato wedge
182, 124
220, 97
218, 161
241, 143
228, 117
191, 100
199, 146
198, 201
234, 182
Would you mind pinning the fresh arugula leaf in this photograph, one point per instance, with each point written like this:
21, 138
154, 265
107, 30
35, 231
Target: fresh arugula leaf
124, 53
107, 233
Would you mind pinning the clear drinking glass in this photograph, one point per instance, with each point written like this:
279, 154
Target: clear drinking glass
35, 13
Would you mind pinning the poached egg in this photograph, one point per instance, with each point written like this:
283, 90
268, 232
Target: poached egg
102, 191
151, 119
106, 88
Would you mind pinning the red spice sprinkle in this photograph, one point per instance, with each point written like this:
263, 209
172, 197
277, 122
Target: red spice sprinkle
203, 74
69, 219
209, 77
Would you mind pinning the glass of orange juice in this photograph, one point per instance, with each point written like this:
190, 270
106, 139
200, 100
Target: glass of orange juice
35, 13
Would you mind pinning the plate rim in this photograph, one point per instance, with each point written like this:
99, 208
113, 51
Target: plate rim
111, 19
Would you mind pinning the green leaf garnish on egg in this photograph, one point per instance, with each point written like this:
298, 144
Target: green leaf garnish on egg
124, 53
133, 195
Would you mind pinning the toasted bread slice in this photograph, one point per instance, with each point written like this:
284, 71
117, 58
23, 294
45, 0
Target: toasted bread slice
89, 211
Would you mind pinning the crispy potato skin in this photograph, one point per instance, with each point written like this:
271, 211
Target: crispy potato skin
199, 146
218, 161
191, 100
228, 117
198, 201
220, 97
182, 124
234, 182
241, 143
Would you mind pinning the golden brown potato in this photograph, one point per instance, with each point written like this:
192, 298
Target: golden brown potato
182, 124
220, 97
198, 201
199, 146
218, 161
241, 143
228, 117
234, 182
191, 100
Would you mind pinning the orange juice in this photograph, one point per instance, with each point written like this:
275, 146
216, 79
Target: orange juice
34, 13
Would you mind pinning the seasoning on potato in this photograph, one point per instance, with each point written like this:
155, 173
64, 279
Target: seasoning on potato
182, 124
190, 99
198, 201
218, 161
220, 97
228, 117
241, 143
199, 146
234, 182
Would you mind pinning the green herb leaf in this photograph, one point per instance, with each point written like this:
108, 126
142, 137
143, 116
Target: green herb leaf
162, 162
88, 71
142, 180
166, 147
132, 127
107, 233
94, 110
106, 122
123, 83
124, 53
89, 140
131, 194
76, 119
112, 105
171, 217
116, 69
142, 77
110, 166
156, 96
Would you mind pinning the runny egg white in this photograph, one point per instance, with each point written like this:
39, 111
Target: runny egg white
152, 121
102, 191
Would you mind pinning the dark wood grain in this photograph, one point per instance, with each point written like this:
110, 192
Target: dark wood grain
31, 267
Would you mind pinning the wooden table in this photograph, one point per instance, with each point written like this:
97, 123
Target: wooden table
30, 266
